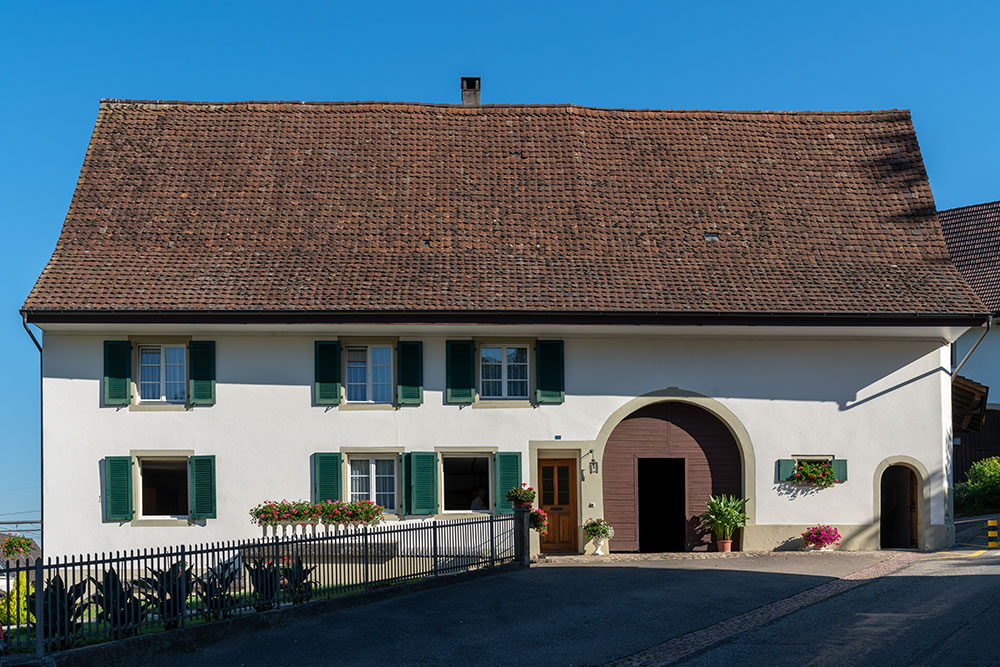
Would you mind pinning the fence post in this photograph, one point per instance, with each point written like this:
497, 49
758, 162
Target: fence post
39, 609
367, 580
184, 590
522, 538
435, 547
493, 547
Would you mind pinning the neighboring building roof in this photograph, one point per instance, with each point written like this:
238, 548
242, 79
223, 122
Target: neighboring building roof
973, 237
320, 207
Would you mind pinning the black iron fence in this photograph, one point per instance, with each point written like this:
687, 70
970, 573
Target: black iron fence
81, 600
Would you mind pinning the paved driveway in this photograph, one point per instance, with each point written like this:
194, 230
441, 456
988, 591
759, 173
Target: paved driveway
555, 614
939, 611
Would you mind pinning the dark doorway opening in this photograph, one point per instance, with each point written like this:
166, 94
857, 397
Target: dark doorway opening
662, 516
898, 529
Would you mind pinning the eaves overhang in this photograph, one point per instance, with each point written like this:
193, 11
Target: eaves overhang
685, 318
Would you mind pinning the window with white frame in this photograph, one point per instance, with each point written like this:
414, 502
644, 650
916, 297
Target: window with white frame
369, 373
375, 480
503, 371
162, 373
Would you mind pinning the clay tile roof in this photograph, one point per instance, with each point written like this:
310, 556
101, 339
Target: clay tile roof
370, 206
973, 237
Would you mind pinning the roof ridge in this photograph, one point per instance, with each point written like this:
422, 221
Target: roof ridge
111, 102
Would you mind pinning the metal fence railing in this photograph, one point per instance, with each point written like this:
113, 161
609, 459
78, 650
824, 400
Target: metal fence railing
92, 598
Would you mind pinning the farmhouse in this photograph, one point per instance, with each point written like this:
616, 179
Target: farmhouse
427, 304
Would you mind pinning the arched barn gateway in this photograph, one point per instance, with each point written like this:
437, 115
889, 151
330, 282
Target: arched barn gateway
661, 463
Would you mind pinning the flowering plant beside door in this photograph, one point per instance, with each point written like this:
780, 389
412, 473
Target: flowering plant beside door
523, 493
598, 529
540, 521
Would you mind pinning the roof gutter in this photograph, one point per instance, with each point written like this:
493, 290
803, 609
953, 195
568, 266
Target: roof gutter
41, 435
986, 330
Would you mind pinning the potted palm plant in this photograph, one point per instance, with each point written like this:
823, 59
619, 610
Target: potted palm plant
725, 514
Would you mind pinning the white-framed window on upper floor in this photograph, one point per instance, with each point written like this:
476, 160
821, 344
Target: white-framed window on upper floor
369, 373
503, 371
162, 373
374, 479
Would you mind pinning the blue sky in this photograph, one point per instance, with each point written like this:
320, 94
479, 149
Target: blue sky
938, 59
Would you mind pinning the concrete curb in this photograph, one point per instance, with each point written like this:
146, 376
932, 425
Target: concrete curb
694, 642
138, 650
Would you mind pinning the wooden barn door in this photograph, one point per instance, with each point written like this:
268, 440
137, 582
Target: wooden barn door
669, 430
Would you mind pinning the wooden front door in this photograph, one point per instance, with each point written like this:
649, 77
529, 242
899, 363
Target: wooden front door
557, 497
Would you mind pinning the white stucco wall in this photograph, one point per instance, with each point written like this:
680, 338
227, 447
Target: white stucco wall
862, 400
984, 364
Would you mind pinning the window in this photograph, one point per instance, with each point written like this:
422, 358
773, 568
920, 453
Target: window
164, 487
369, 374
374, 480
503, 371
466, 483
162, 375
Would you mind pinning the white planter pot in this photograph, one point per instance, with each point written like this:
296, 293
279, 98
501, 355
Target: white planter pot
598, 545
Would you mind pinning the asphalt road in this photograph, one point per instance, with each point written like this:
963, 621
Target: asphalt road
937, 612
570, 614
940, 611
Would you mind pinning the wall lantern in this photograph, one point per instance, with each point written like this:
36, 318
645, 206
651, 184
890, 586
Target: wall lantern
593, 467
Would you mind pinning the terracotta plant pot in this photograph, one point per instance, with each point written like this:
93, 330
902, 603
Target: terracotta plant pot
522, 503
724, 546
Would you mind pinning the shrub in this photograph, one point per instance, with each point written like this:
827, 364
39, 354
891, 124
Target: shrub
14, 605
361, 512
63, 608
166, 591
981, 493
16, 546
119, 604
598, 528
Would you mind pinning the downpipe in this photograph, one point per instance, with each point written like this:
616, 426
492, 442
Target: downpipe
954, 373
41, 435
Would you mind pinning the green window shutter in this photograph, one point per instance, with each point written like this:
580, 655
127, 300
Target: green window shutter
326, 473
420, 478
326, 390
507, 467
201, 376
786, 470
118, 488
117, 372
840, 469
460, 371
550, 385
201, 481
410, 362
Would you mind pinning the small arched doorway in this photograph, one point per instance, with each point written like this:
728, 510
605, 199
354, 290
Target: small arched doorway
661, 463
898, 508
